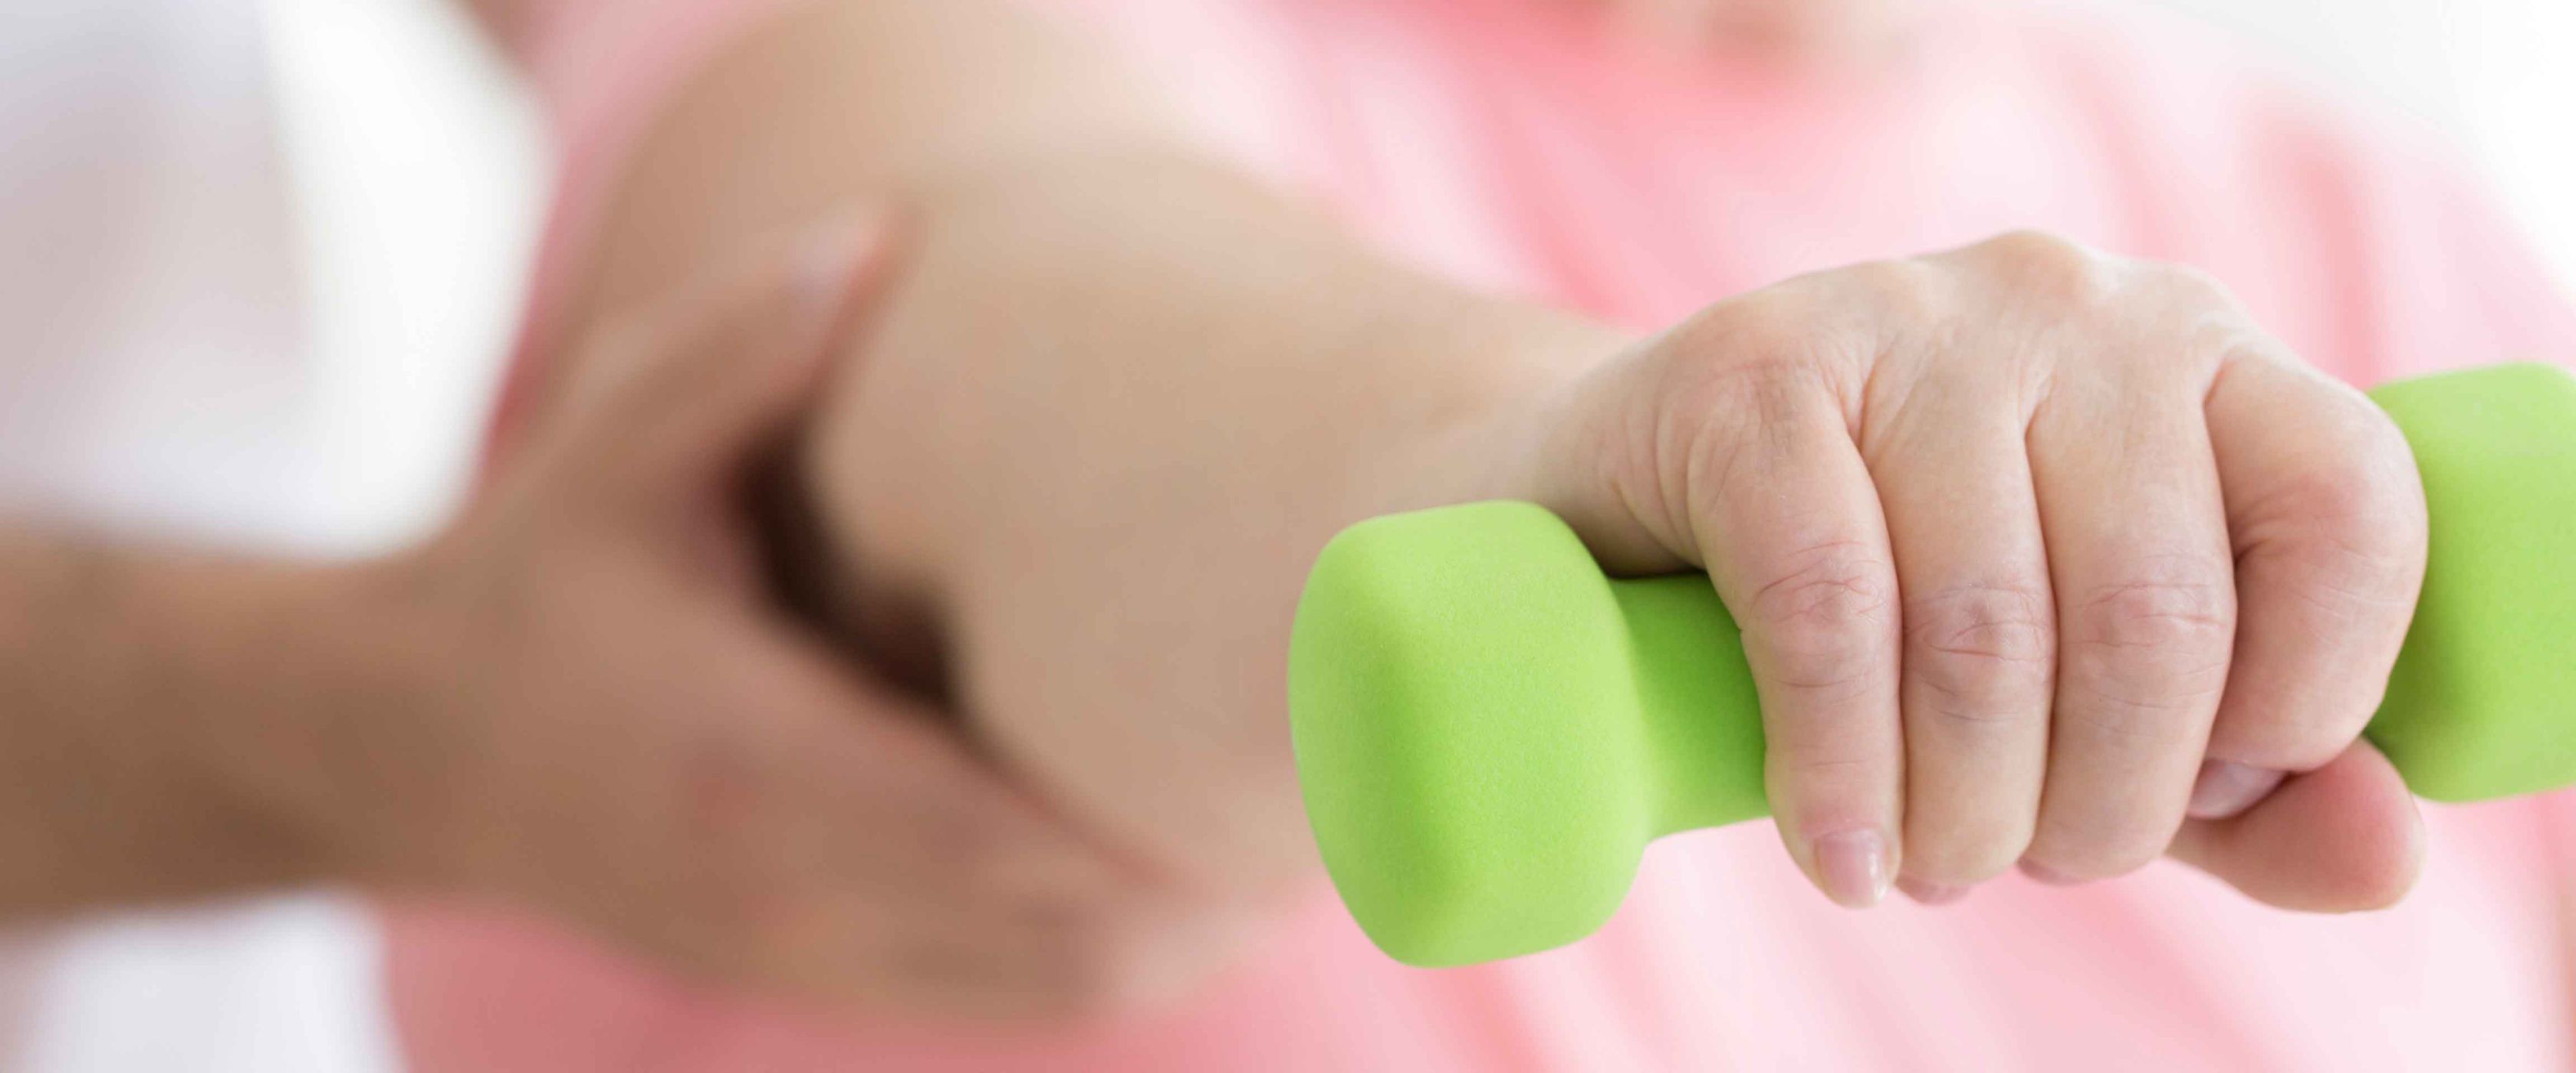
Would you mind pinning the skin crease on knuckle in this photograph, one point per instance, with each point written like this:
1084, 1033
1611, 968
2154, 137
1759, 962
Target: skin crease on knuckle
1825, 613
2365, 556
1986, 653
2147, 647
1720, 386
1823, 623
2361, 515
2139, 655
1985, 657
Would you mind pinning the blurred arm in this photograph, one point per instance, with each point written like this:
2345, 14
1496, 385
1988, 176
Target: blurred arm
1101, 329
151, 715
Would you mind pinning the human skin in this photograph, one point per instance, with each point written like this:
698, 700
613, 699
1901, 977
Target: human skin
581, 699
1124, 392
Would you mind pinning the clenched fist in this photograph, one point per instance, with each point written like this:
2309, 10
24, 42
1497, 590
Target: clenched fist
2038, 553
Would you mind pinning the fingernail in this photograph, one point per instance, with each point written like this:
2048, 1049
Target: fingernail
829, 258
2048, 875
1930, 893
1852, 866
2227, 788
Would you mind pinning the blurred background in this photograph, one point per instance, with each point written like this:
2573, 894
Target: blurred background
2492, 74
418, 176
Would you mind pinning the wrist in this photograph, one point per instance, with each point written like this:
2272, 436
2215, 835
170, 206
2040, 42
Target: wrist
393, 719
327, 738
1489, 446
161, 740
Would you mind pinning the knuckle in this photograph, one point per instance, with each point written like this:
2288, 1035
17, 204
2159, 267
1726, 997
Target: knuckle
1778, 343
2167, 622
2142, 654
2048, 265
2361, 538
1983, 653
1755, 369
1772, 322
1824, 621
2192, 287
2375, 479
2350, 581
1831, 771
1826, 764
2366, 509
1709, 412
1908, 291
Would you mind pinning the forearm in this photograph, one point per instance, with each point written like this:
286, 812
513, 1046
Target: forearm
1158, 321
157, 723
1102, 335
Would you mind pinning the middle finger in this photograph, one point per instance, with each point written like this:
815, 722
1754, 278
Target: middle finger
2138, 550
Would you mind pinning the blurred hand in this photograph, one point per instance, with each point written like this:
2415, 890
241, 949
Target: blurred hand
623, 732
2037, 553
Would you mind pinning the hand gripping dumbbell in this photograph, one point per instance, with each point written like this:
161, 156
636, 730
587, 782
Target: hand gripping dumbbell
1489, 730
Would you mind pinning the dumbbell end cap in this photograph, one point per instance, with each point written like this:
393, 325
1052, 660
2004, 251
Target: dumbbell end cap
1467, 735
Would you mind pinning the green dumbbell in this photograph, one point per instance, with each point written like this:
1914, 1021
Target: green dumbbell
1489, 730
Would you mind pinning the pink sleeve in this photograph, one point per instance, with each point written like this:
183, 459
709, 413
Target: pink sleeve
602, 69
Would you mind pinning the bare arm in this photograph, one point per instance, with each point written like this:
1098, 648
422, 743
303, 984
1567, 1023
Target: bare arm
576, 701
1125, 391
1079, 270
138, 691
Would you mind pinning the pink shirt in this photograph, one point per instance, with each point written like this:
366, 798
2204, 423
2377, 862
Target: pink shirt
1512, 144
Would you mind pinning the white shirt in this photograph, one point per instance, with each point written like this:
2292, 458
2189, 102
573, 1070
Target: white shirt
223, 320
153, 374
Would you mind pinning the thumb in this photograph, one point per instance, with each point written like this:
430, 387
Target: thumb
678, 398
2341, 838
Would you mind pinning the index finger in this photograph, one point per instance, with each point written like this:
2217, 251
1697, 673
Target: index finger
1727, 447
1789, 525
